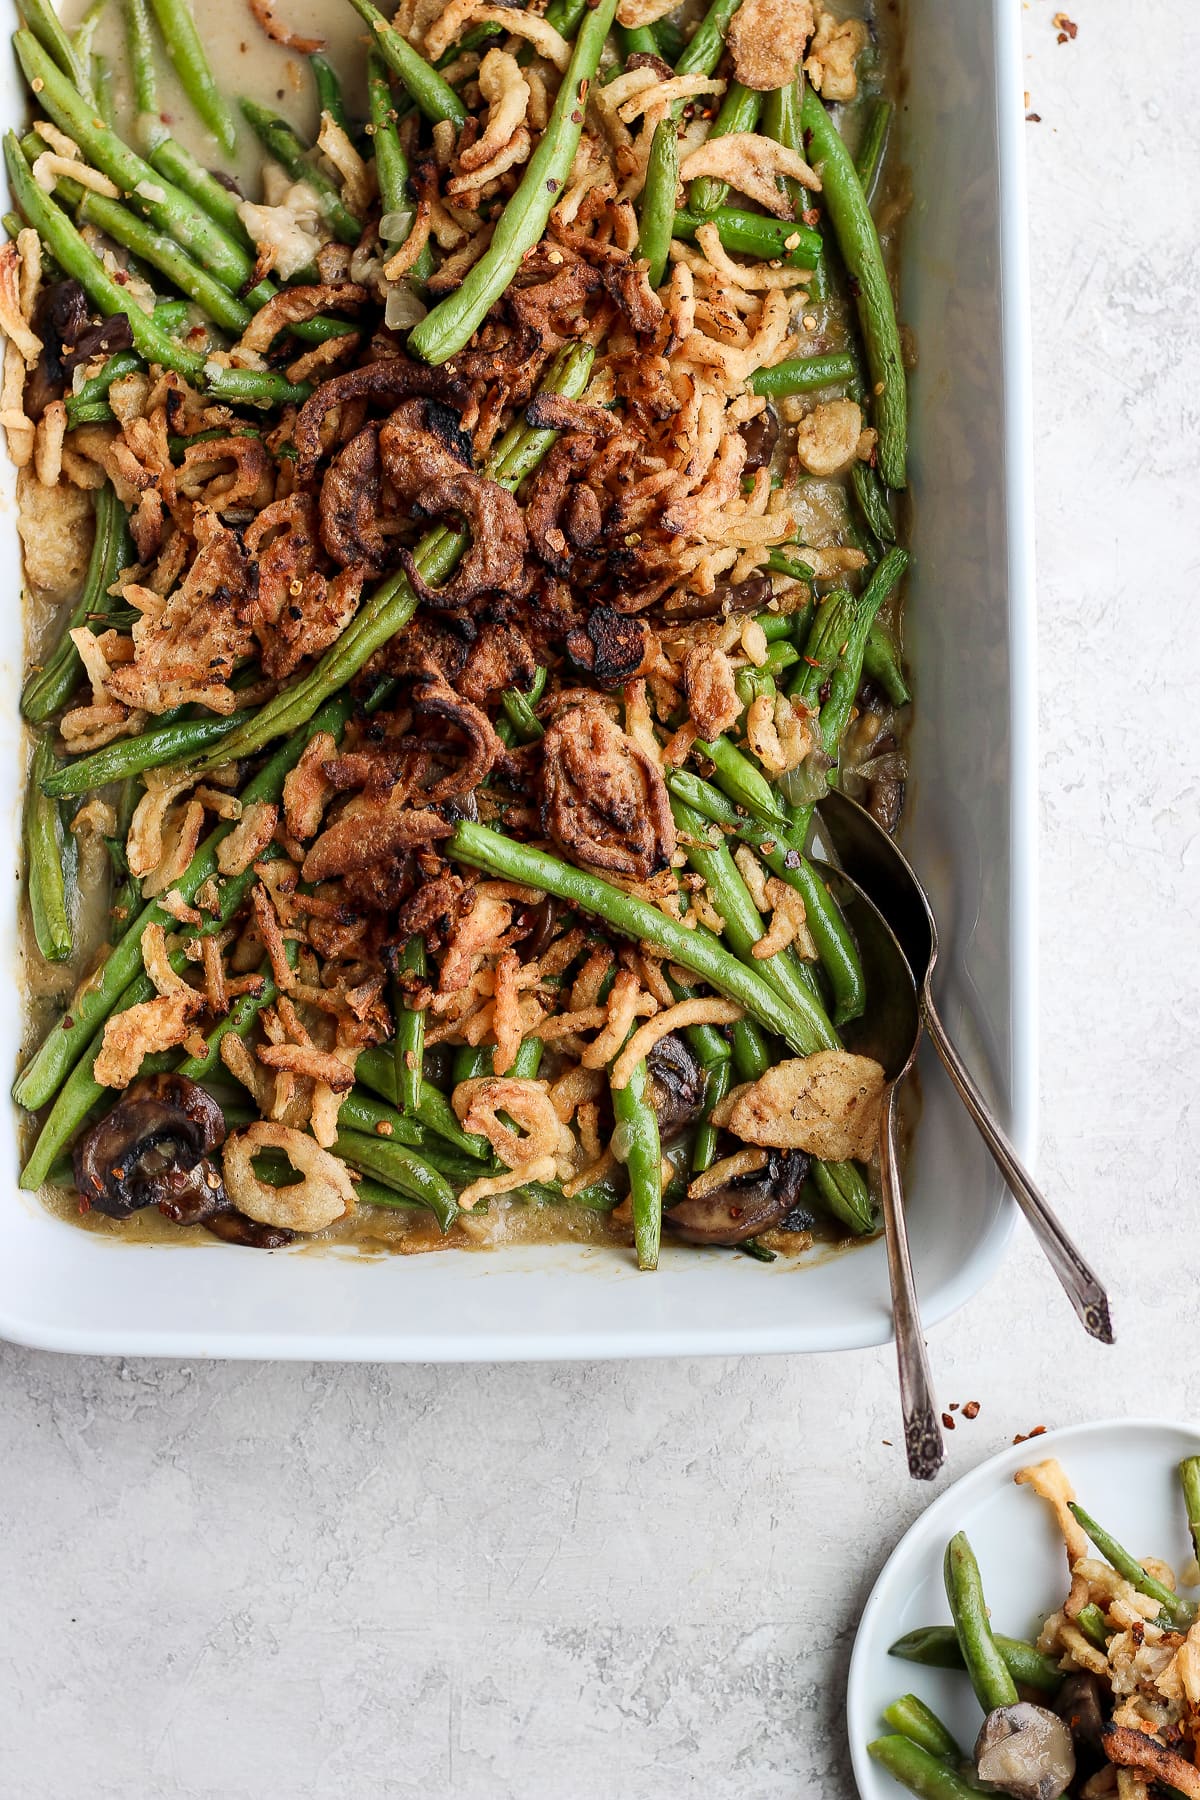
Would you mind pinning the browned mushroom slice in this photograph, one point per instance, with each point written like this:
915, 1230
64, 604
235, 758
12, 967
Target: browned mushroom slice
761, 434
154, 1148
677, 1086
746, 596
742, 1207
603, 800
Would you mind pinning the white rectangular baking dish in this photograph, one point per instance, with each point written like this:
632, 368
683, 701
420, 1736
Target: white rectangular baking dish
970, 830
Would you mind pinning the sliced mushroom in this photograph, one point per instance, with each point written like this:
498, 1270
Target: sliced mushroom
744, 1206
1026, 1751
154, 1148
727, 597
1080, 1705
760, 435
676, 1086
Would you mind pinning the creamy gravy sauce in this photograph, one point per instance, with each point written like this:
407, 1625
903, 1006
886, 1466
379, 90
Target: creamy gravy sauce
247, 63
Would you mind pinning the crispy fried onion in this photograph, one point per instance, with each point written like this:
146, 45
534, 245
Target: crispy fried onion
535, 1131
506, 92
152, 1025
324, 1195
370, 828
434, 695
427, 474
753, 165
263, 14
13, 322
688, 1012
449, 27
1135, 1748
766, 40
604, 800
392, 379
827, 1104
294, 611
294, 305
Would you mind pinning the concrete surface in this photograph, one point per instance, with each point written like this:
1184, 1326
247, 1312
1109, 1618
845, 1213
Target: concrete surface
641, 1583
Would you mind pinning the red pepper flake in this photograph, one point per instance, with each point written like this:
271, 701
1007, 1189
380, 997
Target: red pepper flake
971, 1410
954, 1406
948, 1421
551, 185
1023, 1437
577, 117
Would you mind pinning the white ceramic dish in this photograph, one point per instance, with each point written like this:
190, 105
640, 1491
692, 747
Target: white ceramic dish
970, 831
1123, 1471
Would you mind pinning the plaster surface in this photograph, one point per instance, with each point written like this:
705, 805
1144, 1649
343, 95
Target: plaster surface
641, 1582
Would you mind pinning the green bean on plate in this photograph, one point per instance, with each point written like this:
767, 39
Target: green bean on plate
442, 468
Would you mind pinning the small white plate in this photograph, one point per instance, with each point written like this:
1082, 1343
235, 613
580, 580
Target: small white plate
1124, 1473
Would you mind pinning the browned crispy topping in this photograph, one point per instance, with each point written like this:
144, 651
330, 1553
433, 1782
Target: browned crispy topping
603, 800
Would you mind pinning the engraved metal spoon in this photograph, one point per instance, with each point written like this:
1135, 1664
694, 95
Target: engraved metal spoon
889, 1031
867, 853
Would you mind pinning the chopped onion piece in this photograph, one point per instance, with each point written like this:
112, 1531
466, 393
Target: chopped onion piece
403, 309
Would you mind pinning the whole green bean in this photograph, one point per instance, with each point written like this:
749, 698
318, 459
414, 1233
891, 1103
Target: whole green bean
50, 687
391, 164
42, 19
237, 1020
400, 1168
920, 1725
697, 950
361, 1111
186, 50
132, 756
881, 661
987, 1669
408, 1049
858, 242
844, 1193
702, 52
1181, 1612
717, 1082
781, 122
936, 1647
739, 111
754, 234
281, 142
872, 146
378, 1070
447, 327
391, 606
638, 1125
434, 96
330, 98
656, 205
66, 1041
1189, 1481
919, 1772
750, 1053
49, 862
803, 375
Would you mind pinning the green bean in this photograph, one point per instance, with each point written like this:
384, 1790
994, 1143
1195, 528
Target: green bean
858, 242
1189, 1481
391, 164
378, 1070
94, 391
872, 503
159, 251
237, 1020
143, 69
936, 1647
1181, 1612
102, 83
636, 40
717, 1082
756, 1250
184, 46
43, 21
565, 15
869, 160
803, 375
668, 39
985, 1666
920, 1725
400, 1168
697, 950
919, 1772
783, 856
392, 605
408, 1048
754, 234
51, 686
881, 661
281, 142
744, 926
330, 98
447, 327
781, 122
361, 1111
518, 707
49, 861
176, 164
13, 223
843, 1192
255, 386
642, 1156
778, 563
738, 112
66, 1041
131, 756
775, 627
751, 1054
1092, 1623
702, 52
434, 97
656, 205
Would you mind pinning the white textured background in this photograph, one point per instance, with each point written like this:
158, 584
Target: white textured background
641, 1582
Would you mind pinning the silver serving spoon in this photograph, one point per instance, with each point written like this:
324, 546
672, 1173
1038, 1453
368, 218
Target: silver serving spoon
890, 1031
868, 854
